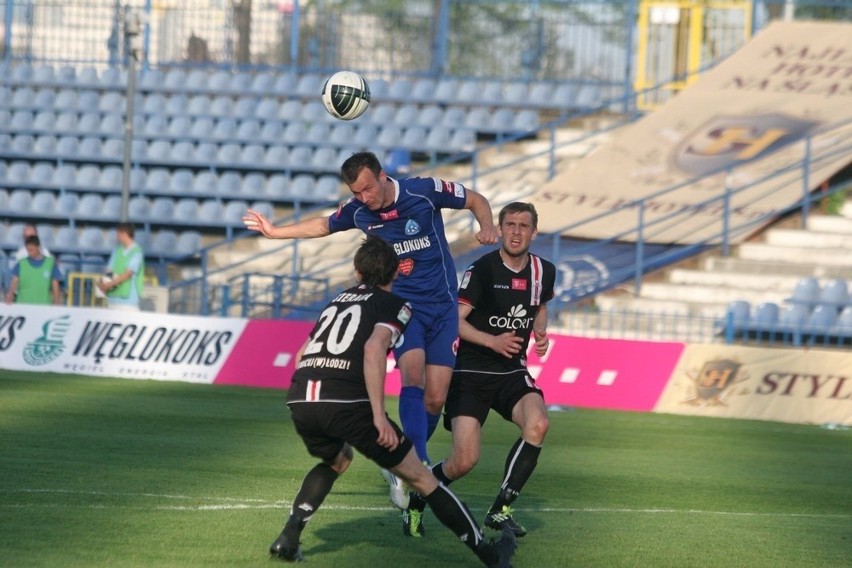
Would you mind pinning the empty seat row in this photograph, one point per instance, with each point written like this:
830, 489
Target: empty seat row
769, 318
273, 131
230, 155
64, 239
278, 187
809, 292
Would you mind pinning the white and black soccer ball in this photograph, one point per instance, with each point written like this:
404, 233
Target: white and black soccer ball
346, 95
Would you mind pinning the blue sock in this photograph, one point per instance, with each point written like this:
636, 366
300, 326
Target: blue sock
431, 424
412, 414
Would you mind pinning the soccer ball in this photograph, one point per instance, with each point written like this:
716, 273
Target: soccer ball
346, 95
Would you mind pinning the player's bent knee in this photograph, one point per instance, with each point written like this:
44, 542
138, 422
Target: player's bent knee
536, 430
434, 404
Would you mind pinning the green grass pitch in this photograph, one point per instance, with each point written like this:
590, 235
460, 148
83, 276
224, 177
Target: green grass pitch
108, 472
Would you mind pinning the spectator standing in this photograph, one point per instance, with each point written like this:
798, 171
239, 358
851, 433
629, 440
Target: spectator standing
125, 272
29, 230
35, 278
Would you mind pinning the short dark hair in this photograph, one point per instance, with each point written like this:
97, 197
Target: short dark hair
519, 207
32, 240
356, 162
376, 261
126, 228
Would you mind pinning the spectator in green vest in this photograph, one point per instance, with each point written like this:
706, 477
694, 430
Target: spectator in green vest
125, 272
35, 278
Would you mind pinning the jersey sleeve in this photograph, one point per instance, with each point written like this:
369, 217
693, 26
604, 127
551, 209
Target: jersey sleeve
471, 286
448, 194
394, 313
343, 219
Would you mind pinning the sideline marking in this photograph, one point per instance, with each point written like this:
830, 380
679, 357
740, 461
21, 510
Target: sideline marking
235, 503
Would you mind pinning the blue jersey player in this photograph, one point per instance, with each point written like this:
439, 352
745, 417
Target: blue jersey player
407, 214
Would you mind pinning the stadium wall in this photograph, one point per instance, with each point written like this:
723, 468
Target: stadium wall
787, 385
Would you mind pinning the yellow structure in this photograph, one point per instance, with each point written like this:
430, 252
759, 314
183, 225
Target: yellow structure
677, 39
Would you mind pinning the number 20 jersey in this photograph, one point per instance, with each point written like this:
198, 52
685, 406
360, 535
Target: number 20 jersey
332, 366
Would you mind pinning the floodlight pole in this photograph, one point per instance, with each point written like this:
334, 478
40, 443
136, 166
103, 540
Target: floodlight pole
132, 27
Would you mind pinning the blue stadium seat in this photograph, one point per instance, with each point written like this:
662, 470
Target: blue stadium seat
45, 146
91, 239
65, 238
44, 121
43, 75
113, 77
205, 153
438, 139
66, 205
177, 105
90, 147
112, 149
218, 81
211, 212
414, 138
229, 154
277, 156
150, 79
309, 85
491, 94
182, 152
324, 159
245, 108
164, 242
399, 90
222, 106
406, 115
526, 121
225, 130
248, 130
588, 97
429, 116
318, 134
111, 178
299, 157
110, 102
327, 188
253, 155
66, 123
821, 319
272, 131
196, 81
89, 123
766, 316
66, 100
302, 187
112, 207
446, 91
199, 105
501, 121
174, 80
234, 211
423, 91
18, 172
315, 112
158, 180
202, 128
239, 83
228, 184
42, 174
162, 210
835, 293
290, 111
22, 73
262, 84
204, 182
181, 181
806, 291
155, 103
516, 94
138, 176
23, 144
87, 76
365, 135
188, 242
22, 120
277, 187
341, 134
738, 312
4, 203
20, 201
67, 147
179, 126
155, 126
87, 177
378, 89
478, 119
843, 325
253, 185
793, 316
294, 133
22, 97
186, 210
389, 137
138, 208
266, 109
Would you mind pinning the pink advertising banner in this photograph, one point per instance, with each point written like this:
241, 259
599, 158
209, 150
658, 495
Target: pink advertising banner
264, 354
604, 373
592, 373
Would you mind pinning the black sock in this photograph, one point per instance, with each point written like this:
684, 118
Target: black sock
520, 464
438, 472
455, 515
315, 487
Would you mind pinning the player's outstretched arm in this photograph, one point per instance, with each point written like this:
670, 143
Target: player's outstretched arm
307, 229
481, 209
375, 368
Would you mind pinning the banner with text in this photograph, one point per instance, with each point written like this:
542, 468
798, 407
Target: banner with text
785, 385
751, 115
111, 343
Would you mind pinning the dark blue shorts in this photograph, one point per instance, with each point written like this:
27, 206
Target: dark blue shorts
435, 329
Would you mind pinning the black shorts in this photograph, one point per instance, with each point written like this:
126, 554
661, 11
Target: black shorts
475, 393
325, 426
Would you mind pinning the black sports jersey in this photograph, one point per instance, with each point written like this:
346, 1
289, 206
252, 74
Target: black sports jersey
332, 365
502, 300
